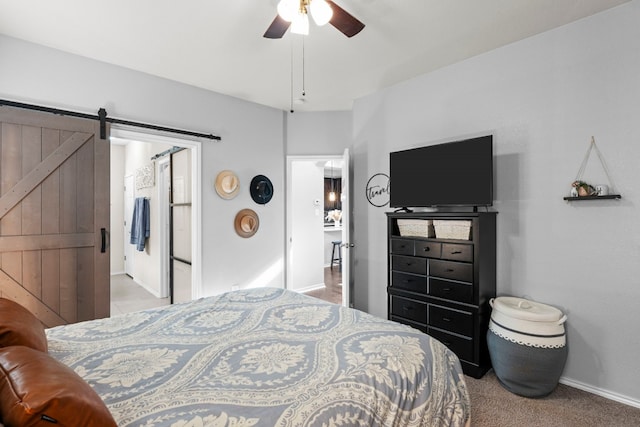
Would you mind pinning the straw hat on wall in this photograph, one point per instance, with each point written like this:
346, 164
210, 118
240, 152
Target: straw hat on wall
227, 184
246, 223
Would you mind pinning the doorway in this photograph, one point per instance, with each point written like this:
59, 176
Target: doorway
316, 239
151, 266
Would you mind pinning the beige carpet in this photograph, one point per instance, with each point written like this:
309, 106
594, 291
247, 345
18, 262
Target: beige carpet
494, 406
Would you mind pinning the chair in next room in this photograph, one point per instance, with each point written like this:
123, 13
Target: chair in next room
336, 258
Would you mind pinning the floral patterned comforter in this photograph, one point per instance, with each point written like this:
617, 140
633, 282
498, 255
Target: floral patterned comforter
264, 357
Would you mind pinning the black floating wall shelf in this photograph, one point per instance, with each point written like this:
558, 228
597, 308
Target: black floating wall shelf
579, 198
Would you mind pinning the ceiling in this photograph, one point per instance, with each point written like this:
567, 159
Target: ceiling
218, 45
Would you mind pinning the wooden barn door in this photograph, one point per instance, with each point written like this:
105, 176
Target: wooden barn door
54, 215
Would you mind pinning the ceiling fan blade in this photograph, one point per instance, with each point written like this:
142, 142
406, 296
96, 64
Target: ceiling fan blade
277, 28
344, 21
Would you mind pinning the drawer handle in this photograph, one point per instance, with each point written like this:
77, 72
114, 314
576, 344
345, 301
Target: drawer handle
456, 252
446, 289
427, 249
407, 308
407, 281
447, 343
446, 319
409, 264
450, 270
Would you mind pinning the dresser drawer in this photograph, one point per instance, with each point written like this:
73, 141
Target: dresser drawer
419, 326
460, 292
428, 249
458, 321
461, 346
409, 264
402, 246
451, 270
457, 252
409, 309
410, 282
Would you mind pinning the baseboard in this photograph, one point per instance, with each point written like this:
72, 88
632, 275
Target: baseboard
309, 288
601, 392
148, 288
117, 273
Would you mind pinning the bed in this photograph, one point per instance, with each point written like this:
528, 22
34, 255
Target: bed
263, 357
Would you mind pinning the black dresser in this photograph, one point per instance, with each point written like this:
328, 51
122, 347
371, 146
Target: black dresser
442, 286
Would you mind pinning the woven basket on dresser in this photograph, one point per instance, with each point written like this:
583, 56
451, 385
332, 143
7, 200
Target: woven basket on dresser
448, 229
416, 227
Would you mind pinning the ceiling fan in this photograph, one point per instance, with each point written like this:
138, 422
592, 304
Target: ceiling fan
294, 14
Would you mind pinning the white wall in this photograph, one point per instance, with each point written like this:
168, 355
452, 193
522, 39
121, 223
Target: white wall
542, 99
116, 236
146, 263
322, 133
36, 74
307, 224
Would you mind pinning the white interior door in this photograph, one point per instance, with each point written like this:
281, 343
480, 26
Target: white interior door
306, 238
128, 215
347, 285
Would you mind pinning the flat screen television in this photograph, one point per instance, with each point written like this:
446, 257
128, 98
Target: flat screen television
458, 173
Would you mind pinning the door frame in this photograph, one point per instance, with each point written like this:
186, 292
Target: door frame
196, 185
347, 208
164, 164
128, 214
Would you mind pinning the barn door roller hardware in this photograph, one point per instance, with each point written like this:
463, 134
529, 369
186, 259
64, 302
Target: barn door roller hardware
103, 119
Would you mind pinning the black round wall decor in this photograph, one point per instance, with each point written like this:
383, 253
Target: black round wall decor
378, 190
261, 189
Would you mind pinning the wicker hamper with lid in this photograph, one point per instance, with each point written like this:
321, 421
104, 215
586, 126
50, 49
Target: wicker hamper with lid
527, 345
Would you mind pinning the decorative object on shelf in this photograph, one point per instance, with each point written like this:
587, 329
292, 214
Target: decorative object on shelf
378, 190
581, 190
246, 223
227, 184
261, 189
335, 216
602, 190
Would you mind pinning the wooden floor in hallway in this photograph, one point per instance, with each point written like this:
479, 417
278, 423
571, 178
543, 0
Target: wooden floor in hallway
332, 290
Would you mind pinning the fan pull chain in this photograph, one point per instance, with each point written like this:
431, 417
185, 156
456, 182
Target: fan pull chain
291, 89
303, 90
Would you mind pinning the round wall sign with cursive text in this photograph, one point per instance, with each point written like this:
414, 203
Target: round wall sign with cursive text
378, 190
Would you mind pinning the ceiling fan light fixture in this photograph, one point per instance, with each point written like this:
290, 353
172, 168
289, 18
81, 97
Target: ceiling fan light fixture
321, 12
288, 9
300, 24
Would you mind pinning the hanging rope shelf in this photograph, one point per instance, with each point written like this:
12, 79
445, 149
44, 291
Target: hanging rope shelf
582, 191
